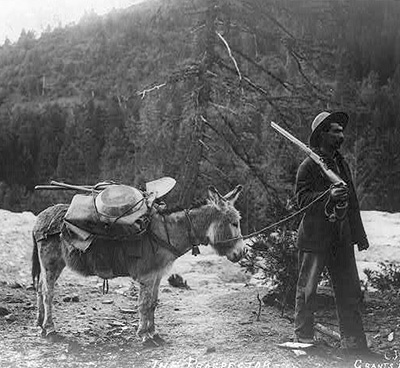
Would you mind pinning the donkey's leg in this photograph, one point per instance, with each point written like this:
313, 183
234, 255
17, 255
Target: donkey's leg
40, 305
37, 283
51, 265
147, 304
49, 279
151, 327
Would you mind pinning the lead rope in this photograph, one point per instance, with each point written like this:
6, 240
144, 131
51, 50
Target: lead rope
300, 211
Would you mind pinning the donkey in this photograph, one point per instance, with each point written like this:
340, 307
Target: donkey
170, 234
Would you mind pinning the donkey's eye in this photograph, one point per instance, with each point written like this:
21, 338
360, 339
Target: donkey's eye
235, 224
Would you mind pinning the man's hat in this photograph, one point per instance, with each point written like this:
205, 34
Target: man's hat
324, 118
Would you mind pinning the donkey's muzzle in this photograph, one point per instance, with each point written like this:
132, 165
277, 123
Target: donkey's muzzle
236, 254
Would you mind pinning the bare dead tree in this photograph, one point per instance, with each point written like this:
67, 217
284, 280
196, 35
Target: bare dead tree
190, 169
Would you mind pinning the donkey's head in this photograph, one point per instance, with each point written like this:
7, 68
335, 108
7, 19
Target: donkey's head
224, 232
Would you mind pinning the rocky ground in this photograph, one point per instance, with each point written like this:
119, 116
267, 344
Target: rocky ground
218, 321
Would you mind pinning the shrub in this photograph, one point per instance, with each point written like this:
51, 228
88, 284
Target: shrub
386, 279
274, 258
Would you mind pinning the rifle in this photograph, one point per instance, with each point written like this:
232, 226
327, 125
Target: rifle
54, 185
330, 174
337, 211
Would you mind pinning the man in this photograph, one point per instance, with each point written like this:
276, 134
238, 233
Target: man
326, 237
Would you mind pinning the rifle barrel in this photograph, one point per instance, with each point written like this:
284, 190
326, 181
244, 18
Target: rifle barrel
296, 141
48, 187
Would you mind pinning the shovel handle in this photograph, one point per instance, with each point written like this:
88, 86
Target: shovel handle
55, 185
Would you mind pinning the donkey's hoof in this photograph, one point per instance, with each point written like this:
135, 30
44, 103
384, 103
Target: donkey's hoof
52, 336
158, 339
149, 342
55, 337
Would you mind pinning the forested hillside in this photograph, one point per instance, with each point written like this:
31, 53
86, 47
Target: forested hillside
187, 88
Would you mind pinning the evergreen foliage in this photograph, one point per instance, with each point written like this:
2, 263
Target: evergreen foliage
187, 88
273, 258
387, 278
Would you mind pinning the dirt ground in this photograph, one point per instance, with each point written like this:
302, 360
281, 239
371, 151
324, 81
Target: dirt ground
214, 323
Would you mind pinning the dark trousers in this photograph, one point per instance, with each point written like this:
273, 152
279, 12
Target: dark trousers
343, 272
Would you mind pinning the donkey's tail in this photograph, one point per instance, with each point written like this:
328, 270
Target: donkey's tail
35, 264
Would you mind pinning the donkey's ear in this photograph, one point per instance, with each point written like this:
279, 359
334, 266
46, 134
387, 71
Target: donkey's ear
213, 194
233, 195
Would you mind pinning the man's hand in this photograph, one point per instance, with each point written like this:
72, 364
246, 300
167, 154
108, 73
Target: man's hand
363, 244
339, 193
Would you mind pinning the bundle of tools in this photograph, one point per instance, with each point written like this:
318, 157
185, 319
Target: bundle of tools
109, 210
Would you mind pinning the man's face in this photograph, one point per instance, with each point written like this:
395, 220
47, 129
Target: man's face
334, 137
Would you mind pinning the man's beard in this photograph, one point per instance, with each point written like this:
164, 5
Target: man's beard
337, 144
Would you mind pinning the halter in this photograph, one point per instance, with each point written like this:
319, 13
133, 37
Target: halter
166, 243
192, 234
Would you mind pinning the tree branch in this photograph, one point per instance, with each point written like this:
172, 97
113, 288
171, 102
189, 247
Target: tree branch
143, 93
174, 77
230, 54
273, 76
216, 168
244, 156
312, 85
224, 108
